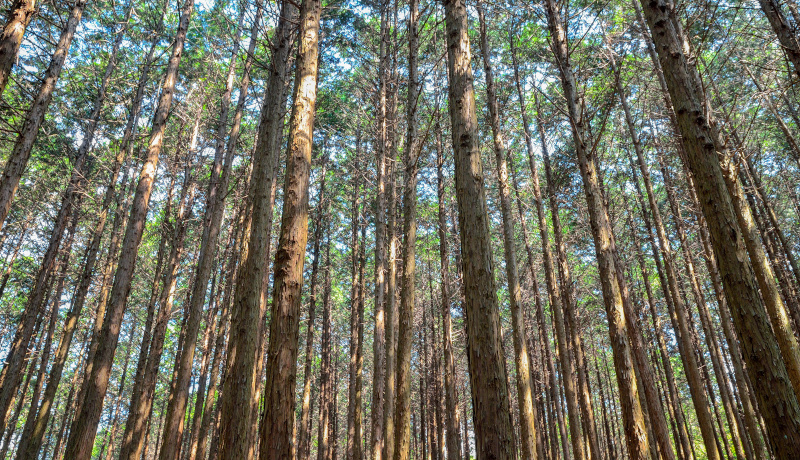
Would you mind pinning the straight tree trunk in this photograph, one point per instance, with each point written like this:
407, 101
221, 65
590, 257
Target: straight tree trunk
84, 428
325, 433
614, 293
354, 417
306, 410
405, 337
703, 144
278, 420
451, 399
527, 416
240, 385
493, 423
381, 272
18, 159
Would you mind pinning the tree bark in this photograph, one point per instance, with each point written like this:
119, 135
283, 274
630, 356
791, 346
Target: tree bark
278, 419
19, 16
787, 35
493, 424
84, 428
527, 416
703, 144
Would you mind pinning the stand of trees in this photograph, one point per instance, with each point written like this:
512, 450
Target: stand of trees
399, 229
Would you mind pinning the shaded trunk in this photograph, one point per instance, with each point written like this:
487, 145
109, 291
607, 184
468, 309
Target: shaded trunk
277, 422
703, 144
241, 382
493, 423
527, 416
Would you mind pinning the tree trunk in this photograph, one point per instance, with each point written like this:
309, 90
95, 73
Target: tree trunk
84, 428
240, 384
493, 424
527, 416
278, 420
787, 35
702, 143
451, 398
405, 336
19, 16
354, 417
379, 335
18, 159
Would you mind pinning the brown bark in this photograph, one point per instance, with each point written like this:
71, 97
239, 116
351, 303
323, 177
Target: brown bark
278, 420
381, 272
787, 35
621, 331
83, 431
19, 16
703, 144
402, 413
304, 443
527, 416
356, 366
451, 398
494, 433
325, 425
18, 159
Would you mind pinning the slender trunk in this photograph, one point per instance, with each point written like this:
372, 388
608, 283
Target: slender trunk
621, 331
405, 336
703, 144
379, 335
241, 383
451, 398
278, 418
492, 415
354, 446
325, 436
306, 411
18, 159
527, 416
82, 435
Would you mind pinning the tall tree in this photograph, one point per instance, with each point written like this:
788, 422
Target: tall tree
493, 424
703, 144
277, 421
84, 428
